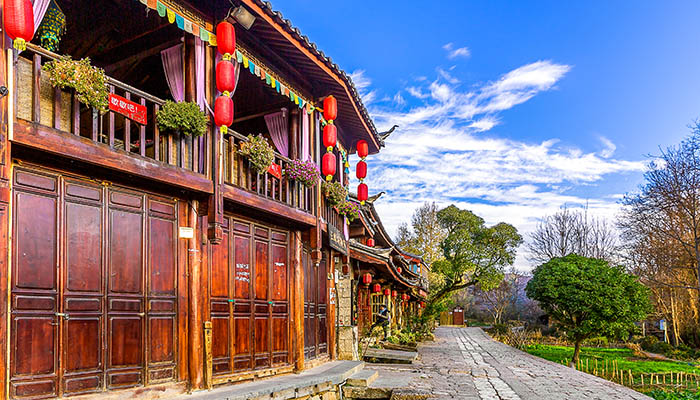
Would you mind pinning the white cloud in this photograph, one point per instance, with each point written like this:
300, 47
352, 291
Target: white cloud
443, 153
453, 52
398, 99
362, 83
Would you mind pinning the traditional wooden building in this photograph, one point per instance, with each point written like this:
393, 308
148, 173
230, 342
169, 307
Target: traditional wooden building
386, 274
136, 258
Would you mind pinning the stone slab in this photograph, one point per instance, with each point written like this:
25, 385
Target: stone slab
389, 356
364, 377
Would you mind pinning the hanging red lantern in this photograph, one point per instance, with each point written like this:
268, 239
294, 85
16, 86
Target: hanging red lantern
362, 149
376, 288
361, 170
404, 297
330, 109
370, 242
18, 16
399, 270
330, 137
394, 293
223, 113
387, 292
226, 39
361, 192
328, 166
422, 304
225, 77
366, 278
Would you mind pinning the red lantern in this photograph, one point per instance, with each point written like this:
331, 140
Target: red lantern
394, 293
362, 148
399, 270
376, 288
405, 297
330, 136
387, 292
361, 191
370, 242
225, 77
223, 113
328, 165
422, 304
361, 170
226, 39
366, 279
330, 109
18, 16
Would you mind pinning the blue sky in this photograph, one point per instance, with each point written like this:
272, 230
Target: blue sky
514, 109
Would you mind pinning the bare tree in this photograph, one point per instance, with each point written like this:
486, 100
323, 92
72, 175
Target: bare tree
572, 231
423, 237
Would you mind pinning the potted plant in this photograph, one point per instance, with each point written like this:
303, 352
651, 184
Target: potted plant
350, 209
259, 153
305, 172
89, 82
335, 193
184, 117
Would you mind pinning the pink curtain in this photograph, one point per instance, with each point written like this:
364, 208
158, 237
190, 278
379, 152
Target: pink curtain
305, 136
200, 74
173, 65
39, 7
278, 126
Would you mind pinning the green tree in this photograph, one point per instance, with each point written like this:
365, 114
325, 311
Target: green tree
423, 236
588, 296
473, 253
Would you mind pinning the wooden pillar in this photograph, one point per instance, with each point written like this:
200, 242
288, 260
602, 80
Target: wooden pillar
196, 320
294, 133
190, 70
297, 301
332, 307
5, 224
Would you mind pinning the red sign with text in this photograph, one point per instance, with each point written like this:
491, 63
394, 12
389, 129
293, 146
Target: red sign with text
128, 108
275, 170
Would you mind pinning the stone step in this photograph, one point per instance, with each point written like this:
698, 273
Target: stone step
386, 356
363, 378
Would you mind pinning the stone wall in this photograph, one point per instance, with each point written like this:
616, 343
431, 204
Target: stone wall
347, 333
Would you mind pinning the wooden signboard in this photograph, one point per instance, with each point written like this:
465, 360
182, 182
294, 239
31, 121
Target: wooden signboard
134, 111
337, 240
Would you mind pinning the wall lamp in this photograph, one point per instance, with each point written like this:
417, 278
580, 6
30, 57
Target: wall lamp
241, 15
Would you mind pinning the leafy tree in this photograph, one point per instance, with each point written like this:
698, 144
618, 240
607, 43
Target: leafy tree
423, 236
588, 296
473, 253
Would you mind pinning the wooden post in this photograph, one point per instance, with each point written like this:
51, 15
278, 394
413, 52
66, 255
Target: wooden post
196, 362
332, 307
6, 119
298, 300
294, 133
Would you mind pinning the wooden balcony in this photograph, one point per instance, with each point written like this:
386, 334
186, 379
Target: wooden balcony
264, 191
52, 120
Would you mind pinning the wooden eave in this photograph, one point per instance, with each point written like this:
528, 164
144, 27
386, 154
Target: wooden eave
308, 65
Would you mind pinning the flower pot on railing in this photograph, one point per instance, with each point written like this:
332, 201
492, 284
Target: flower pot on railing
304, 172
334, 192
89, 82
259, 153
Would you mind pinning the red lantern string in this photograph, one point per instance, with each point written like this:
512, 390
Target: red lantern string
225, 76
330, 135
361, 171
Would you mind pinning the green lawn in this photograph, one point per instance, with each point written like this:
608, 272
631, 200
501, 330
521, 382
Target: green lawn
625, 359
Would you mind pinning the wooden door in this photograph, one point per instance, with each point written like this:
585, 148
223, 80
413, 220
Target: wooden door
90, 310
315, 307
458, 317
249, 298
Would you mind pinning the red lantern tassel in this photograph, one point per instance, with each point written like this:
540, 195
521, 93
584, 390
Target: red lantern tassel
18, 17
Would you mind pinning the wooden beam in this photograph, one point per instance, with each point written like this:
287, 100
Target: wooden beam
196, 327
294, 133
5, 226
280, 210
298, 300
82, 149
115, 66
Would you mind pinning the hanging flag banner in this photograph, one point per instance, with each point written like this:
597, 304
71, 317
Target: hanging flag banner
134, 111
184, 18
275, 170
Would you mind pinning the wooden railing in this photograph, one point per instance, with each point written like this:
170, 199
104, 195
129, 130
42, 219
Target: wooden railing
37, 101
239, 172
331, 216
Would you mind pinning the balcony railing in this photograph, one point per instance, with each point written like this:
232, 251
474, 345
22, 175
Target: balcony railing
331, 216
239, 172
38, 101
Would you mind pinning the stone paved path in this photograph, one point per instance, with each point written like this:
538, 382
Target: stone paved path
465, 363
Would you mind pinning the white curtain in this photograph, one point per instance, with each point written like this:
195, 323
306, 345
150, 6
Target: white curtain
278, 126
39, 7
174, 68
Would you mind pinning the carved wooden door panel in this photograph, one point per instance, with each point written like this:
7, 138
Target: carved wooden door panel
249, 298
322, 307
34, 351
94, 288
310, 293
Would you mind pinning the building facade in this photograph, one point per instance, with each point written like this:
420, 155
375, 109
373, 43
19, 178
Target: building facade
136, 259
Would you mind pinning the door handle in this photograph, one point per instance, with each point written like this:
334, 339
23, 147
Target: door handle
142, 314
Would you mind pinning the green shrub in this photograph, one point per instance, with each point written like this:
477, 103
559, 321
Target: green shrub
661, 348
184, 117
335, 193
500, 329
648, 342
659, 394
